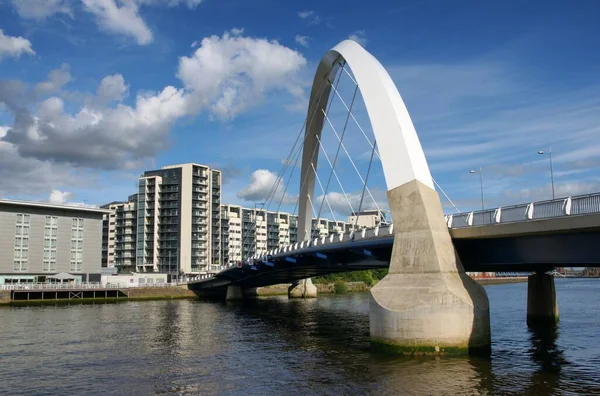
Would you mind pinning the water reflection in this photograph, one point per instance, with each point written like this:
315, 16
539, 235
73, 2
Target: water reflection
548, 356
277, 346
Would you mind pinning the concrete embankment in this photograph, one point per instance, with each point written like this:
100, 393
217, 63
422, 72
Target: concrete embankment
133, 294
159, 293
499, 281
4, 297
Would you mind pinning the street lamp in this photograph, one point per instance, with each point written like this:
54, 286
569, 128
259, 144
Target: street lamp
480, 171
542, 152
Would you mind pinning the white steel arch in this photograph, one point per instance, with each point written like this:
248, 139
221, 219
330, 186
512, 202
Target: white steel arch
400, 150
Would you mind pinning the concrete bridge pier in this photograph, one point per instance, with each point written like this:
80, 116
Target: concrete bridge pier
234, 293
303, 288
542, 306
427, 304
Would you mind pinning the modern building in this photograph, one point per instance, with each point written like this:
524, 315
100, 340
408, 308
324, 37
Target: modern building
41, 239
368, 218
119, 229
177, 224
253, 231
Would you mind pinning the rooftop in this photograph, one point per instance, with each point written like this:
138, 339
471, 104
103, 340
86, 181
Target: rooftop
53, 206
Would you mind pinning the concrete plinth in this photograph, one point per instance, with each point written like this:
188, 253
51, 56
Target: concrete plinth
234, 293
302, 289
427, 304
542, 306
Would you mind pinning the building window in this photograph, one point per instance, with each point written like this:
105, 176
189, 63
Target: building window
21, 242
50, 235
76, 245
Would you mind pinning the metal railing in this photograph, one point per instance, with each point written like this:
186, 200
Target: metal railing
79, 286
570, 206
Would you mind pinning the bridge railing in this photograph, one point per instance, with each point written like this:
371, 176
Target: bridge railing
570, 206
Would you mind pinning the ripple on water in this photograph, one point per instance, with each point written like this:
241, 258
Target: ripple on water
276, 345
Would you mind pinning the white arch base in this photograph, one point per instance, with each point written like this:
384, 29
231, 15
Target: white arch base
302, 289
427, 304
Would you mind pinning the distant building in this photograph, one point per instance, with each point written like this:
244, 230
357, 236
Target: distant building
368, 218
253, 231
41, 239
177, 223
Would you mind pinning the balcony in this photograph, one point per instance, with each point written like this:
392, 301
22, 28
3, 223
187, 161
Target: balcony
199, 246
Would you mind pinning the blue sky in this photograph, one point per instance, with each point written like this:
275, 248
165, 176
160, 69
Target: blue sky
92, 92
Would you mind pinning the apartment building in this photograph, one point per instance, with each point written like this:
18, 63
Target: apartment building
119, 229
254, 231
177, 224
40, 239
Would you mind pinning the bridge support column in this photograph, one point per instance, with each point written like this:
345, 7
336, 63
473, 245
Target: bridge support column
302, 289
427, 304
542, 307
234, 293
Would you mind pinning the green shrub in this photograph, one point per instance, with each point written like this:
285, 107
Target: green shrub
339, 287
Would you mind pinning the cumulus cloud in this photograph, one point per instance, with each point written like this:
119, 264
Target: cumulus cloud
123, 19
55, 82
14, 46
341, 203
59, 197
360, 37
112, 88
41, 9
229, 73
224, 76
302, 40
114, 16
261, 186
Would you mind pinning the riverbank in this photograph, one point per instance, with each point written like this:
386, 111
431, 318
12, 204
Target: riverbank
133, 294
181, 292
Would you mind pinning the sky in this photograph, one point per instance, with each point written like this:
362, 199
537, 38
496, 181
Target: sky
94, 92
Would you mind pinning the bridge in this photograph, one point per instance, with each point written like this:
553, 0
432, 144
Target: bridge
426, 304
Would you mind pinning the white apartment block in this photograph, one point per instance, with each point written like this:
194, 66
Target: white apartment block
119, 230
254, 231
177, 225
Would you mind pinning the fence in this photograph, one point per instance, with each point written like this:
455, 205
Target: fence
571, 206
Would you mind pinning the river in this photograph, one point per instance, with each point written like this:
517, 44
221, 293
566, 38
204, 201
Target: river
280, 346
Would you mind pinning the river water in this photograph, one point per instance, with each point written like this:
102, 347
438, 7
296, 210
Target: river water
281, 346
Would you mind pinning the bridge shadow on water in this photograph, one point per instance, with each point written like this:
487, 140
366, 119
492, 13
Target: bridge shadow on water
332, 334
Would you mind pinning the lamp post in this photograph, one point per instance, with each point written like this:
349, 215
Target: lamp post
480, 171
542, 152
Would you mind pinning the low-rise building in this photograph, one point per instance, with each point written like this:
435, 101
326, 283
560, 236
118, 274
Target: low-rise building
368, 218
40, 239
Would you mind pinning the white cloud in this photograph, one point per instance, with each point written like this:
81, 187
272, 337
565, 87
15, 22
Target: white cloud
231, 72
260, 187
123, 19
305, 14
302, 40
310, 16
14, 46
223, 77
112, 88
57, 79
237, 31
360, 37
340, 203
41, 9
115, 16
59, 197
